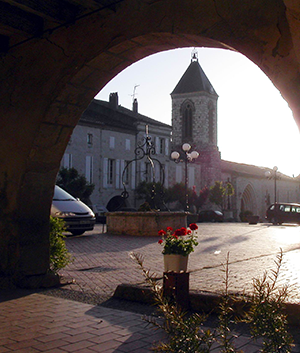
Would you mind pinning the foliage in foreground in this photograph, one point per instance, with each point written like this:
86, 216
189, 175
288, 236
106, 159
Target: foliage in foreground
59, 255
185, 330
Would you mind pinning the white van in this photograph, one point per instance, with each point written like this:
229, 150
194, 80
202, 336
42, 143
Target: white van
78, 216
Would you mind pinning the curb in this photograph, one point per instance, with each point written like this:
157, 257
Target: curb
199, 301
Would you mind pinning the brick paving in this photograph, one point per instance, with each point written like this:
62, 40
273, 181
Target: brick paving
76, 318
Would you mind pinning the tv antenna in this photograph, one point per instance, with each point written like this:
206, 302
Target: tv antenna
134, 92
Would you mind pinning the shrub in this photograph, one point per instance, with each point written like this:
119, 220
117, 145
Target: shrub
59, 255
244, 215
185, 330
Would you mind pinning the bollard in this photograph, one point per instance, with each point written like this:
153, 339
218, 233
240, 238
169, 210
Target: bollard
176, 285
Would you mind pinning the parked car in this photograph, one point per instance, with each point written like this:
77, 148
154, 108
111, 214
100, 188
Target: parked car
210, 216
78, 216
279, 213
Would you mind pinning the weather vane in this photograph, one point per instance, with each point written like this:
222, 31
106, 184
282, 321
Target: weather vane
194, 55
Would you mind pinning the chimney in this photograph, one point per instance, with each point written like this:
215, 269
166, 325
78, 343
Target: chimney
114, 100
135, 106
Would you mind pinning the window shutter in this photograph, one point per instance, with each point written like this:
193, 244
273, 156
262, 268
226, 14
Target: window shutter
191, 176
67, 160
105, 171
117, 174
142, 171
167, 147
166, 185
88, 168
112, 142
122, 167
157, 147
156, 173
178, 173
133, 166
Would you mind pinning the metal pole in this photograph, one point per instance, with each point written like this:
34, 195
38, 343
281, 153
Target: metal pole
275, 187
186, 185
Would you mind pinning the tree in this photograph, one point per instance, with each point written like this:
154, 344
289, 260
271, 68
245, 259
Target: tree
152, 193
229, 191
201, 199
216, 193
177, 193
70, 180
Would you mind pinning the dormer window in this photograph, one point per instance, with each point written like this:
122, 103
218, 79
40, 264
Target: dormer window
90, 139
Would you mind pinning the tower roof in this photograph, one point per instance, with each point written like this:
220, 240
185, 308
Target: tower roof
194, 80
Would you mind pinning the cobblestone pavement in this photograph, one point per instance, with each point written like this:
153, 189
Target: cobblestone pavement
76, 318
102, 261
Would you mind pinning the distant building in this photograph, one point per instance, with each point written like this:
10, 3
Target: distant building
107, 135
105, 140
194, 120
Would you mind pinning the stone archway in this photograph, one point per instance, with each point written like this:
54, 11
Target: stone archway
248, 200
47, 81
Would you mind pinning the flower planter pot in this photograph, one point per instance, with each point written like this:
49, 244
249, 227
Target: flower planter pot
175, 263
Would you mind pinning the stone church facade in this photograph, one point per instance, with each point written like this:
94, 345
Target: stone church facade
106, 138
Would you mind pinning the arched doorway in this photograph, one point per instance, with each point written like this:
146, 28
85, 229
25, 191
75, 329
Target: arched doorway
248, 200
49, 78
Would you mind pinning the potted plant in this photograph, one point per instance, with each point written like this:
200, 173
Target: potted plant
177, 246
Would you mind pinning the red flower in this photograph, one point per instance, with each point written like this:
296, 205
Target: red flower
177, 232
170, 229
183, 231
189, 232
175, 236
160, 241
193, 226
162, 233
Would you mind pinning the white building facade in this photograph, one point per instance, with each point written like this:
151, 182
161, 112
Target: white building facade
106, 140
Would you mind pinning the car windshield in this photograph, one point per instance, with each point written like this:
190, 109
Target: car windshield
62, 195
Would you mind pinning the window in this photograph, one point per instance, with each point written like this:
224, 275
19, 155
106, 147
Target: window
89, 168
126, 176
90, 139
187, 123
110, 171
211, 112
127, 145
112, 142
162, 146
148, 172
67, 160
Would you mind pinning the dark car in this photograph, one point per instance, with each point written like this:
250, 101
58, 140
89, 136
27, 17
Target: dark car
279, 213
210, 216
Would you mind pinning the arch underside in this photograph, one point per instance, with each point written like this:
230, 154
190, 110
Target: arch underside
48, 80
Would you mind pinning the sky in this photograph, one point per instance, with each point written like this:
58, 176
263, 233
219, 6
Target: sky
255, 124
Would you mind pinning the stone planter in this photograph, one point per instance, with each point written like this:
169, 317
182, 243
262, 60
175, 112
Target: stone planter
175, 263
253, 219
143, 223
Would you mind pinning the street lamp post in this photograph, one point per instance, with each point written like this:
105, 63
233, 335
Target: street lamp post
187, 157
271, 175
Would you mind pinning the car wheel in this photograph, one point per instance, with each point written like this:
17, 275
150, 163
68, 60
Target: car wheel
274, 221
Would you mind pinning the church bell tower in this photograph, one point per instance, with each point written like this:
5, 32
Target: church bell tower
194, 121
